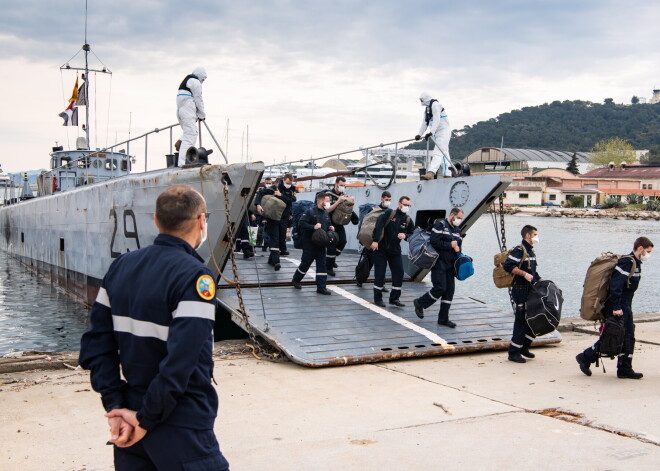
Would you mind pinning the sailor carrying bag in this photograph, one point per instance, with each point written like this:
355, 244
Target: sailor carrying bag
597, 284
273, 207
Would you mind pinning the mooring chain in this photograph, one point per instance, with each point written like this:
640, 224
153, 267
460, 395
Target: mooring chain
265, 350
502, 223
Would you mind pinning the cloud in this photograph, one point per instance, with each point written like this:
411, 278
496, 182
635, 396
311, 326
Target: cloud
319, 77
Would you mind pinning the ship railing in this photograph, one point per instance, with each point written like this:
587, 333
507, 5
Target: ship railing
385, 148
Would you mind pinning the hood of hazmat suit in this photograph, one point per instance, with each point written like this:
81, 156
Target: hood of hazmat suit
200, 73
424, 99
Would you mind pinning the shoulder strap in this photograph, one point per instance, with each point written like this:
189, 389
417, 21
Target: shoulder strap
524, 256
389, 218
632, 270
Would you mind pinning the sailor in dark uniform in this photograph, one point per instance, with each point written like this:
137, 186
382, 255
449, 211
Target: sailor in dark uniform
522, 263
447, 240
276, 230
311, 220
262, 236
337, 196
392, 227
149, 345
625, 281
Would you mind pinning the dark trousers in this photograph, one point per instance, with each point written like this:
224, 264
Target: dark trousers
312, 253
380, 260
442, 277
170, 448
276, 231
334, 252
591, 353
522, 336
284, 225
244, 238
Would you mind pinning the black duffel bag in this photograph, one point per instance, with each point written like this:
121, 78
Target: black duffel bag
543, 307
363, 268
612, 336
324, 238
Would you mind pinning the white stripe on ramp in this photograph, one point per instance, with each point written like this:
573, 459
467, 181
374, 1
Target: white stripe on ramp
435, 338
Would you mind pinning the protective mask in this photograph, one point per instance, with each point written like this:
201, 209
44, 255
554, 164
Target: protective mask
386, 204
341, 189
405, 209
645, 257
326, 205
457, 221
287, 185
205, 234
535, 240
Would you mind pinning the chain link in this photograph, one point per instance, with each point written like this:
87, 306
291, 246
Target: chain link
502, 230
264, 349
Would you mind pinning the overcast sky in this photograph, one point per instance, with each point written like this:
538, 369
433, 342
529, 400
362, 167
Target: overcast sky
311, 78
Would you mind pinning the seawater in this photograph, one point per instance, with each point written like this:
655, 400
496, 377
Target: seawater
566, 249
36, 316
33, 314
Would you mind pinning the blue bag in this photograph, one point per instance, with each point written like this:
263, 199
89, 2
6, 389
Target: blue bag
420, 251
298, 209
463, 267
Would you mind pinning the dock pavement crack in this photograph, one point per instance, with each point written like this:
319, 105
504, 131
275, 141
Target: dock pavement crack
553, 413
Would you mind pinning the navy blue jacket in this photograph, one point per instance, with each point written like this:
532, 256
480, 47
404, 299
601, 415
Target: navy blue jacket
153, 318
529, 265
442, 236
621, 295
288, 196
309, 219
400, 223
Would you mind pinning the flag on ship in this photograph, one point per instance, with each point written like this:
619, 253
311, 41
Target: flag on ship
70, 115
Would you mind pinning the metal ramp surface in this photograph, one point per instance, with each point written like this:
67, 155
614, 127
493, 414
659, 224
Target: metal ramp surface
347, 328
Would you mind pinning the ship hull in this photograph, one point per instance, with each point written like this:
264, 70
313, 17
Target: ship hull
72, 237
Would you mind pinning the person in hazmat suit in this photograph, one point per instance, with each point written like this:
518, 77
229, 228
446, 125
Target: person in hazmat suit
436, 124
190, 108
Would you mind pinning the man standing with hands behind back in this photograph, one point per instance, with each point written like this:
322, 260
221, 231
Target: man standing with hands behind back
150, 342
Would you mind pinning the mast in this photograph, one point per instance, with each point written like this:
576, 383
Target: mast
87, 49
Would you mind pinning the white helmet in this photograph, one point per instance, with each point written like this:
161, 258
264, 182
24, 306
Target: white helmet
425, 98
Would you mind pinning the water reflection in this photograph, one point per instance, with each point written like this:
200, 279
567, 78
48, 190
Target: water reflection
34, 315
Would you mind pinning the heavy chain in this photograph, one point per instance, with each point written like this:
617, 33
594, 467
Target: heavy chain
266, 351
502, 230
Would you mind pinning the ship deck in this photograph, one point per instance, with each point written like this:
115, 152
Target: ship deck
347, 328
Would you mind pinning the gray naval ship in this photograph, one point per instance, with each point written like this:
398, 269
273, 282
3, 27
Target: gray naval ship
90, 207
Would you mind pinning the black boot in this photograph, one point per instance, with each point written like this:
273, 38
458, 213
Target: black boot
516, 357
585, 364
526, 353
419, 310
624, 369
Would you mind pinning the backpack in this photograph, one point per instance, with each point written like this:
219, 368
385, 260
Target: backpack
420, 251
298, 209
612, 336
597, 284
363, 268
543, 307
273, 207
501, 277
364, 209
463, 267
343, 212
366, 230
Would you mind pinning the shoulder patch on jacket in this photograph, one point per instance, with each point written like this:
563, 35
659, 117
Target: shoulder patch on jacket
205, 287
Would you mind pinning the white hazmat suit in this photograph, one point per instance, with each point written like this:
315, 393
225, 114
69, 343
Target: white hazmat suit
435, 122
190, 107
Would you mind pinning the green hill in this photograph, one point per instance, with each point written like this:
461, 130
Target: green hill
569, 125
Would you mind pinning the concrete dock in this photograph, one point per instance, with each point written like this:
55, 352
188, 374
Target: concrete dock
474, 411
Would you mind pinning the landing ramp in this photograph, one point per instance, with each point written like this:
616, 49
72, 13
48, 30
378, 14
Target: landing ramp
347, 328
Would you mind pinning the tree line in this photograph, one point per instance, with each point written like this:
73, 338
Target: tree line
573, 126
